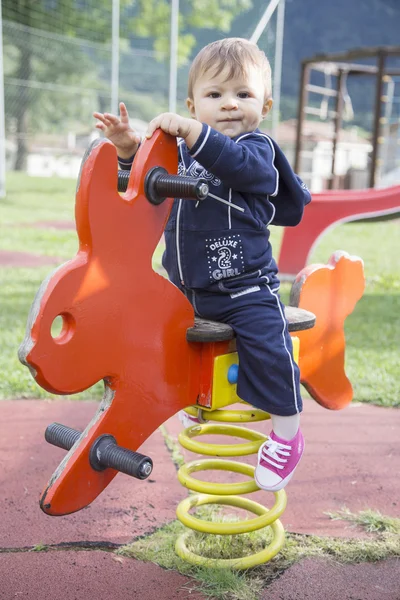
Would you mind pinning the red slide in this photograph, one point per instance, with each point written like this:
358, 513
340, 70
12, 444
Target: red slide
326, 210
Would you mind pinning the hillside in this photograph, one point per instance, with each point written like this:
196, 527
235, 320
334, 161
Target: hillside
312, 27
319, 26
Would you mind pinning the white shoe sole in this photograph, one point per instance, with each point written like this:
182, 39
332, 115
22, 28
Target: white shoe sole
278, 486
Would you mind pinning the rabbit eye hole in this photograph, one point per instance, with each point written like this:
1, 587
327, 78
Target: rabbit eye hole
63, 328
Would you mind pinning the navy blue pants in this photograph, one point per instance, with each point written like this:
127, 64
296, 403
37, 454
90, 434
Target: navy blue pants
268, 377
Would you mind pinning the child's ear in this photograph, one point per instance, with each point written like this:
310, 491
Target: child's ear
191, 109
267, 107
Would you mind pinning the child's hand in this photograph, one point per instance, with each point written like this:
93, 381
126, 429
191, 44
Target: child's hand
119, 131
175, 125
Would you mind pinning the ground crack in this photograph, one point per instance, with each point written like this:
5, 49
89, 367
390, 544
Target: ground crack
105, 546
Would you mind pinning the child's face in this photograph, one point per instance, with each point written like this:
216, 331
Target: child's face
231, 107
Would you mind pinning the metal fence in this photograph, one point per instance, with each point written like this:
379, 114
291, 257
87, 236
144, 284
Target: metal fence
54, 82
52, 85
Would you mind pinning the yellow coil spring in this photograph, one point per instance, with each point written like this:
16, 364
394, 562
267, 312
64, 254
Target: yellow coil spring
224, 493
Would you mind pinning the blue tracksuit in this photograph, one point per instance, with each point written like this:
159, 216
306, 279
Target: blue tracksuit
218, 253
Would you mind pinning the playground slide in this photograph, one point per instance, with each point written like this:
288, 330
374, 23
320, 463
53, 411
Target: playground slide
327, 210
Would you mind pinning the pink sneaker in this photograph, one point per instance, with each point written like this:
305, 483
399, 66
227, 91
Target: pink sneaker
277, 461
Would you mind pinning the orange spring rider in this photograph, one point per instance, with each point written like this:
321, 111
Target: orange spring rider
129, 326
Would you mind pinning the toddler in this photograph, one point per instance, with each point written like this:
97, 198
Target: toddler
218, 251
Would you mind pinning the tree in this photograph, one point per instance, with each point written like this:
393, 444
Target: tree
67, 17
91, 20
153, 17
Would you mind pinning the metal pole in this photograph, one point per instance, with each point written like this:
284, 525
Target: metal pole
263, 22
304, 79
388, 100
115, 57
280, 23
2, 120
377, 118
173, 64
337, 126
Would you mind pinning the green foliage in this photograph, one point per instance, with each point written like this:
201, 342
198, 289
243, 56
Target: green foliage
144, 106
153, 19
71, 83
89, 20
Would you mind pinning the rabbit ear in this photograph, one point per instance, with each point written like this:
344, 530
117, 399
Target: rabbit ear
103, 214
349, 276
92, 165
97, 182
330, 292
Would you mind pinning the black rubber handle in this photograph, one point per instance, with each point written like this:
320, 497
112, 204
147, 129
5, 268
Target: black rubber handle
123, 178
104, 453
159, 185
61, 436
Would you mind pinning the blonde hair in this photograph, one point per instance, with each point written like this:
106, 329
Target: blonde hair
235, 53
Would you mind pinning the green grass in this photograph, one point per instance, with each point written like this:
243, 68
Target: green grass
372, 331
372, 521
48, 242
32, 199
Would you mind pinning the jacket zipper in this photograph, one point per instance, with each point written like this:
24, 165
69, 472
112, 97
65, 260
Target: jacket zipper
178, 253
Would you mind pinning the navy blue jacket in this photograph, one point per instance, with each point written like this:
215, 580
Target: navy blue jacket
222, 243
